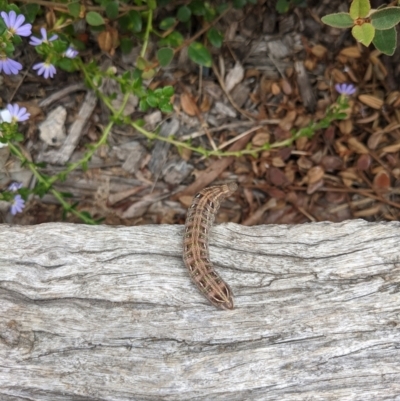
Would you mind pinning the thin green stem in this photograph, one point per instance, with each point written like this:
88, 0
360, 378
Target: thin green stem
147, 33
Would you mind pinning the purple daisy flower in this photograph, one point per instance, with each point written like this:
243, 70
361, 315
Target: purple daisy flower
18, 114
71, 52
45, 69
18, 205
9, 66
14, 24
38, 41
15, 186
345, 89
5, 116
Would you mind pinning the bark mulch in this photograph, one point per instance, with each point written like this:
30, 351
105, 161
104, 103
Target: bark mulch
274, 74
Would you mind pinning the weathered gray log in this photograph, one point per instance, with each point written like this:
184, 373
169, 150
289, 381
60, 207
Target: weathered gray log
109, 313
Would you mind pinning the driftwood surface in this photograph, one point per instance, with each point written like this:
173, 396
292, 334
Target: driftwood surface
109, 313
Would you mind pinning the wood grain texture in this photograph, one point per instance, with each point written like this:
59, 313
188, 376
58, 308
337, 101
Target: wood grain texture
108, 313
196, 255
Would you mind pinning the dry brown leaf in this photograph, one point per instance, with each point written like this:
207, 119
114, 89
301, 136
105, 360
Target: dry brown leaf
375, 139
277, 177
372, 117
352, 51
391, 148
51, 18
302, 121
252, 73
364, 162
277, 162
392, 97
331, 163
186, 200
313, 187
275, 89
350, 175
357, 146
108, 40
304, 163
188, 104
368, 212
310, 63
346, 127
382, 180
261, 138
315, 174
205, 104
339, 76
286, 123
322, 86
396, 173
371, 101
319, 51
290, 171
301, 143
186, 154
341, 149
286, 87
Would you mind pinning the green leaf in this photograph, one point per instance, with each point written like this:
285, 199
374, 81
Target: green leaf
215, 37
359, 9
197, 7
167, 23
30, 11
152, 4
184, 13
74, 9
143, 105
220, 8
168, 91
126, 45
238, 4
363, 33
60, 46
386, 41
135, 21
199, 54
174, 39
282, 6
141, 63
166, 106
94, 19
152, 101
164, 56
148, 74
210, 14
3, 26
16, 39
386, 18
18, 137
112, 10
67, 64
338, 20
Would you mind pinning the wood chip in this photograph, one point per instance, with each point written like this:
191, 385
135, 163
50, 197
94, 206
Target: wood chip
234, 76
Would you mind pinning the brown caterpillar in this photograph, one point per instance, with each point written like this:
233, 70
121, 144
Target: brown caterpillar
199, 220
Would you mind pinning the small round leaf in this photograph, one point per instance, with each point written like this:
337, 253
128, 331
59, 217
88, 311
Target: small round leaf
94, 19
164, 56
199, 54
